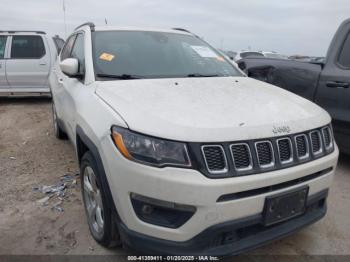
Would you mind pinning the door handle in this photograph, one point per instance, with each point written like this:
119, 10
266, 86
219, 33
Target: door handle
42, 63
337, 84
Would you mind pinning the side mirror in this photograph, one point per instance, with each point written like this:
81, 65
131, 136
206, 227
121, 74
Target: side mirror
70, 67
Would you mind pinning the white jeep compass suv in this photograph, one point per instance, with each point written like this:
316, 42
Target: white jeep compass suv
179, 151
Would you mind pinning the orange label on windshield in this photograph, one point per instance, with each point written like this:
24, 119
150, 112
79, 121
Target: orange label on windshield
106, 57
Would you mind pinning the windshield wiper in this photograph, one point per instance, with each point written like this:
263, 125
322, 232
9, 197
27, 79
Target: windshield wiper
122, 76
201, 75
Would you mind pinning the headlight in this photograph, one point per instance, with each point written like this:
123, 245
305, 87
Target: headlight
150, 150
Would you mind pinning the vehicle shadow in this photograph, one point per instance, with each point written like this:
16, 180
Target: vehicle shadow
24, 100
344, 160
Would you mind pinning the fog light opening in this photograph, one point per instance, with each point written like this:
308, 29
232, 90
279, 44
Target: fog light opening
160, 212
147, 209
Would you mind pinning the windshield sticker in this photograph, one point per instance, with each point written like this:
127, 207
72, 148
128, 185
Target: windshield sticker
106, 57
203, 51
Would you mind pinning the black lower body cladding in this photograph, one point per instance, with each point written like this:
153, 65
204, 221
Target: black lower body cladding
229, 238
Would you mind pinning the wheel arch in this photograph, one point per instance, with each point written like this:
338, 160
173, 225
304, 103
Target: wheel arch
84, 144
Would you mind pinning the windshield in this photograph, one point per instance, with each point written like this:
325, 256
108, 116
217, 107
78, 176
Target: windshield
146, 54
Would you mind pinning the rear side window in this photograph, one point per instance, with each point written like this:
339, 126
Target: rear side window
59, 43
2, 46
344, 56
27, 46
67, 49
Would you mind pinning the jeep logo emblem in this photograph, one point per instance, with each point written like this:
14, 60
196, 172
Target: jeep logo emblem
281, 130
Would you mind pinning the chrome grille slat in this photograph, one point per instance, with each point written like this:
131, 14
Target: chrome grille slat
327, 137
316, 142
215, 159
242, 157
302, 146
265, 155
285, 150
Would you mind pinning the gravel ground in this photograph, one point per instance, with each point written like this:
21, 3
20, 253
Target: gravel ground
30, 156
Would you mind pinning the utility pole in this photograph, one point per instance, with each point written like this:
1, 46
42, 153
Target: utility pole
64, 18
221, 43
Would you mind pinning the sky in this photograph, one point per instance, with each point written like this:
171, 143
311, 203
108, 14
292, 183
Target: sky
289, 27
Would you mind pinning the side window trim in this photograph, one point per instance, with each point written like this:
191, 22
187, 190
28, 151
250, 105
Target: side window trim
75, 40
339, 52
74, 36
10, 45
55, 40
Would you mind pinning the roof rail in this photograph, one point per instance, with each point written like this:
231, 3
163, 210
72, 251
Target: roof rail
92, 26
185, 30
22, 31
181, 29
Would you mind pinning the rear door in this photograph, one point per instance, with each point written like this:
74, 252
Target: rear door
60, 81
333, 92
3, 81
68, 88
29, 62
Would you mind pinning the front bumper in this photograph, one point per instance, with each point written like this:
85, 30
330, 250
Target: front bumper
229, 238
190, 187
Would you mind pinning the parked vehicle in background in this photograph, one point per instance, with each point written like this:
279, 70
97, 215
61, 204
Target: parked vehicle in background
318, 59
271, 54
300, 58
179, 151
268, 54
244, 54
26, 58
309, 59
326, 83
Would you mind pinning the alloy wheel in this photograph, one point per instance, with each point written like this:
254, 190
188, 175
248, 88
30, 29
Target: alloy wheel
93, 202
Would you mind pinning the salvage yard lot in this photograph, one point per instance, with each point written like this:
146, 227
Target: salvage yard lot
31, 157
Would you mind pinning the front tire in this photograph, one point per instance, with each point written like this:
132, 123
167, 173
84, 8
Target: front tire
97, 207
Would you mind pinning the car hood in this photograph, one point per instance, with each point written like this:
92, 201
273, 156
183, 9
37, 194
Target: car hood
210, 109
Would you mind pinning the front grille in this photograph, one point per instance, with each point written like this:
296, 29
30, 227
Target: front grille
285, 150
241, 155
253, 157
265, 153
302, 146
215, 158
316, 145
